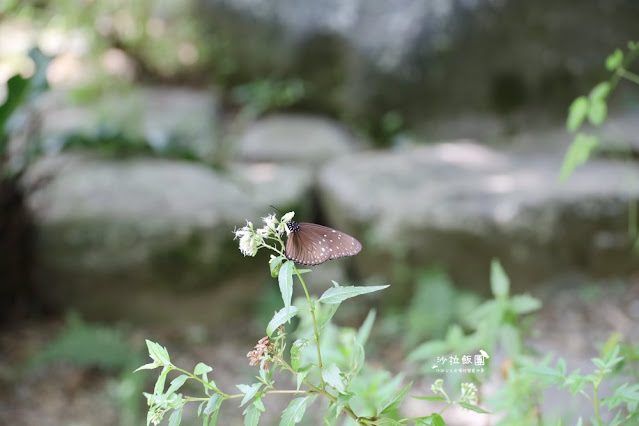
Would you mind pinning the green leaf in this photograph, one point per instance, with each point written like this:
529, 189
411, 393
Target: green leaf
394, 401
177, 383
280, 318
600, 92
578, 153
333, 377
326, 315
149, 366
274, 264
597, 112
301, 375
435, 398
359, 356
285, 279
159, 384
158, 353
294, 413
432, 420
499, 282
176, 417
296, 352
17, 89
339, 294
366, 327
251, 415
615, 60
202, 368
524, 304
213, 409
249, 391
577, 113
474, 408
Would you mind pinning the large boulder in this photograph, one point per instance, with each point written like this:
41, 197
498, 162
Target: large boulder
460, 204
369, 57
123, 238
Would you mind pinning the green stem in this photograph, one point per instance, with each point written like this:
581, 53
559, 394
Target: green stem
206, 384
315, 329
629, 76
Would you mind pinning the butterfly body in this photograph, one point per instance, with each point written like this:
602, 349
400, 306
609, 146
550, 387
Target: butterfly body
312, 244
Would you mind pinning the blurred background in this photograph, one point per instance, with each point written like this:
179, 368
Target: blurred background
137, 135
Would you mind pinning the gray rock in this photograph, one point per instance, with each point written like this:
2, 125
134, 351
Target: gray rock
158, 115
460, 204
137, 226
294, 138
368, 57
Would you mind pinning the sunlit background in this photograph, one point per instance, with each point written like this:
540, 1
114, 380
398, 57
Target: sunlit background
136, 136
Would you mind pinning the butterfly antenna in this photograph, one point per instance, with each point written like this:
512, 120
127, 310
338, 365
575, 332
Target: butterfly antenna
281, 212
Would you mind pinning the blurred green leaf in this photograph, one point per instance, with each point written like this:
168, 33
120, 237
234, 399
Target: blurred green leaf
524, 304
615, 60
600, 91
333, 377
17, 89
577, 113
274, 264
202, 368
597, 112
295, 410
366, 327
474, 408
499, 282
395, 400
578, 153
252, 415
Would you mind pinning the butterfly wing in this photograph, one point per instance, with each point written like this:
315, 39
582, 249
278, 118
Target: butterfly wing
312, 244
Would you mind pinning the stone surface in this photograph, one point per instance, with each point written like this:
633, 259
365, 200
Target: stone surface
159, 115
111, 228
459, 204
368, 57
294, 138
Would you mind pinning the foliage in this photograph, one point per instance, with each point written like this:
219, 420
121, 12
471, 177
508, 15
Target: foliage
594, 108
105, 348
325, 361
21, 91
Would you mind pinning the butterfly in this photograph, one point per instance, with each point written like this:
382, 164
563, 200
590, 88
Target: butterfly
312, 244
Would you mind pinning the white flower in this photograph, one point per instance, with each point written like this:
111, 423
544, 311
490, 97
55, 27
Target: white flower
250, 241
270, 221
285, 219
469, 393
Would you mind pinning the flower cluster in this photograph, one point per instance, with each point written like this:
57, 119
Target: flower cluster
469, 393
251, 239
260, 352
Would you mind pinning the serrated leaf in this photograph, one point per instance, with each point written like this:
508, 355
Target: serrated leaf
395, 400
274, 265
176, 417
474, 408
285, 280
249, 391
615, 60
333, 377
600, 91
366, 327
597, 112
577, 113
294, 413
280, 318
158, 353
435, 398
339, 294
578, 153
251, 415
177, 383
499, 282
202, 368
